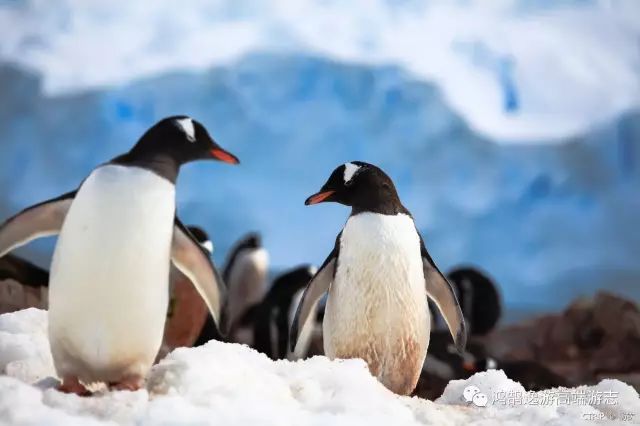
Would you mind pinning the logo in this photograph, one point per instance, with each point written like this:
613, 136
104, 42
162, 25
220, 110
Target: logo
473, 395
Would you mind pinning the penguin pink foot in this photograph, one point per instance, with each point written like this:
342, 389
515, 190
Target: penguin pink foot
71, 384
129, 383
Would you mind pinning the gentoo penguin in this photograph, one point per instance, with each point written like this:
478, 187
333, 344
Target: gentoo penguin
308, 334
118, 232
479, 298
245, 274
187, 311
271, 318
378, 277
22, 285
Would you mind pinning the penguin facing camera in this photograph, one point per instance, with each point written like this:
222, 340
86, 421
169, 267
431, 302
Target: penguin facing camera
118, 235
377, 277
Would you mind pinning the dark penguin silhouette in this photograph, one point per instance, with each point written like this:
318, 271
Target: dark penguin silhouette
479, 299
245, 274
118, 235
22, 285
271, 319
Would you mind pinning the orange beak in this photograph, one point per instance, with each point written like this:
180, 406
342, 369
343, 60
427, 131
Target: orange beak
318, 198
224, 156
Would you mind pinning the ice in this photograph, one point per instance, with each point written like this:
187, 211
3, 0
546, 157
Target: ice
548, 222
515, 70
230, 384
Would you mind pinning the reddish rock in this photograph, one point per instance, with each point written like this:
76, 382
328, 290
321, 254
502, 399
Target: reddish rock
590, 338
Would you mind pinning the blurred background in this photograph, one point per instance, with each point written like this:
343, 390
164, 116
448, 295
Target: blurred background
511, 128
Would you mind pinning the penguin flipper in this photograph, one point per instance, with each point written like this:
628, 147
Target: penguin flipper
41, 220
194, 262
441, 292
319, 284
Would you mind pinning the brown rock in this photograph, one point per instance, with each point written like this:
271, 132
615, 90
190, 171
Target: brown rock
618, 317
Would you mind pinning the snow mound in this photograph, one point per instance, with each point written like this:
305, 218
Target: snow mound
229, 384
24, 345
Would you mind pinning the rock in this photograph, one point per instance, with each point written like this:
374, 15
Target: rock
590, 338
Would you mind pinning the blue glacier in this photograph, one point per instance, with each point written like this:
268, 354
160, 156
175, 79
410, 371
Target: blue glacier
548, 221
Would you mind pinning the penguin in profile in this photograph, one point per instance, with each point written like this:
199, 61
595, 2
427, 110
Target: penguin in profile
118, 234
187, 311
377, 276
245, 274
479, 298
271, 318
202, 238
304, 346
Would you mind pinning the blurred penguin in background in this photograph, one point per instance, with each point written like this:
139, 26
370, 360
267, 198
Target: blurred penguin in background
270, 320
479, 299
187, 311
22, 285
444, 364
245, 274
310, 339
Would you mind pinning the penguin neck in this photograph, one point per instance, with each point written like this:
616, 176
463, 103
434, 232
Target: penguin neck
389, 206
161, 164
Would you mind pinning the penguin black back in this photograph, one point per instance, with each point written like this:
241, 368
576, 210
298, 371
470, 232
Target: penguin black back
479, 298
275, 308
250, 241
22, 271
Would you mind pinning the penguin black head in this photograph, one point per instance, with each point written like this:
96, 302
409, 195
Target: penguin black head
201, 237
182, 139
288, 284
362, 186
252, 240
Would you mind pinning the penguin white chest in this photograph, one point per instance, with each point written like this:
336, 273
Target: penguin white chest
377, 306
109, 275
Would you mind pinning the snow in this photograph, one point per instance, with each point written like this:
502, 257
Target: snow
229, 384
516, 70
24, 345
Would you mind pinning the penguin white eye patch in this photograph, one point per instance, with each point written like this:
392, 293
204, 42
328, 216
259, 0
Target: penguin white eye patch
350, 170
186, 125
